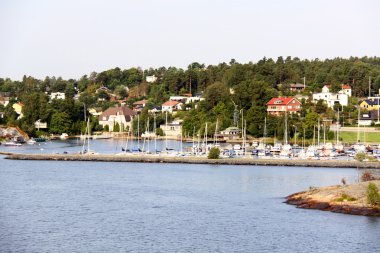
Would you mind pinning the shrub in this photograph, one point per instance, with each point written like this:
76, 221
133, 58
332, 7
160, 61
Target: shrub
360, 157
345, 197
214, 153
367, 176
373, 196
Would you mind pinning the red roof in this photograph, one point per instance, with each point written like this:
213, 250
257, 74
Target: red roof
279, 101
170, 103
346, 87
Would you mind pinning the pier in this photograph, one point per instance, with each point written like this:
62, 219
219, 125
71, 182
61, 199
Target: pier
135, 158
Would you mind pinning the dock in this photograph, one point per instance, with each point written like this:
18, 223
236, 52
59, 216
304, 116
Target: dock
137, 158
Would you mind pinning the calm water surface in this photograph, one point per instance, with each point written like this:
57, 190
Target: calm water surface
127, 207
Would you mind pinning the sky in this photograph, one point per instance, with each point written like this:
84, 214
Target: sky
72, 38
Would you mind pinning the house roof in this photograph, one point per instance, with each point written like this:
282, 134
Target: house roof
280, 101
118, 110
373, 101
346, 87
371, 115
141, 102
170, 103
296, 85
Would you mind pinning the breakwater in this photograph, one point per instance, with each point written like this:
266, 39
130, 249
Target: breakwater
194, 160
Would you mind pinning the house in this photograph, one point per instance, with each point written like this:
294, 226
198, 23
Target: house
368, 118
277, 106
331, 98
4, 101
178, 98
371, 103
155, 109
173, 129
139, 105
346, 89
40, 125
297, 87
57, 95
326, 88
230, 133
121, 115
171, 106
95, 111
151, 79
17, 107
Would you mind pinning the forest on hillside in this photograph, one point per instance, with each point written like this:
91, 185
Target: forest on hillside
253, 85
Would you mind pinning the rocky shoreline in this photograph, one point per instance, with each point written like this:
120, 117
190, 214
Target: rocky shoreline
347, 199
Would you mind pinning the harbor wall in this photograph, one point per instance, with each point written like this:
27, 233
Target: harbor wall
195, 160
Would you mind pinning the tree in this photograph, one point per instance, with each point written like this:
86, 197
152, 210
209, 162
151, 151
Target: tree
216, 93
60, 123
116, 127
373, 196
121, 91
214, 153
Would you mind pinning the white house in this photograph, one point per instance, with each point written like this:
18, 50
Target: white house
40, 125
331, 98
173, 129
151, 79
57, 95
121, 115
171, 106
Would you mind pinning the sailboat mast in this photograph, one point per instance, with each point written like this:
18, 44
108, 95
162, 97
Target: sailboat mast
265, 130
319, 129
166, 128
155, 137
138, 131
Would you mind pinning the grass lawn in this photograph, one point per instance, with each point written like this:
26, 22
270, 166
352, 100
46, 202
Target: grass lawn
351, 137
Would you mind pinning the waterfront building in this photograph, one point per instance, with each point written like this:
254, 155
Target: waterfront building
230, 133
121, 115
173, 129
280, 105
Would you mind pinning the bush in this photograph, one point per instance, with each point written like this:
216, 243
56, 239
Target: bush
360, 157
367, 176
373, 196
214, 153
345, 197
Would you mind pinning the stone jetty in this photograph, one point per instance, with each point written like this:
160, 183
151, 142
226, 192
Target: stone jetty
193, 160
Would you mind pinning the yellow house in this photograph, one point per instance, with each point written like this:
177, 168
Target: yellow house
370, 104
18, 109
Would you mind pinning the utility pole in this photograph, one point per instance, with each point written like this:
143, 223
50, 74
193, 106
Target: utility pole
369, 86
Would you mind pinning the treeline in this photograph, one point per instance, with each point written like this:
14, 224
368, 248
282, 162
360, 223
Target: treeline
249, 86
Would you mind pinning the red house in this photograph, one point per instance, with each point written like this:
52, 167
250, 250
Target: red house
277, 106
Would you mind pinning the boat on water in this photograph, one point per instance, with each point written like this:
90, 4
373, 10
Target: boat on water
31, 142
64, 136
12, 143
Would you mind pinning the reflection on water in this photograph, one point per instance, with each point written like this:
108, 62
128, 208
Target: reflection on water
50, 206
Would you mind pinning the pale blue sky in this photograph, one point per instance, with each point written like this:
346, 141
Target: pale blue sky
70, 38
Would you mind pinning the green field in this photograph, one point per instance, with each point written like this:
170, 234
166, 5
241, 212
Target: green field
351, 137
